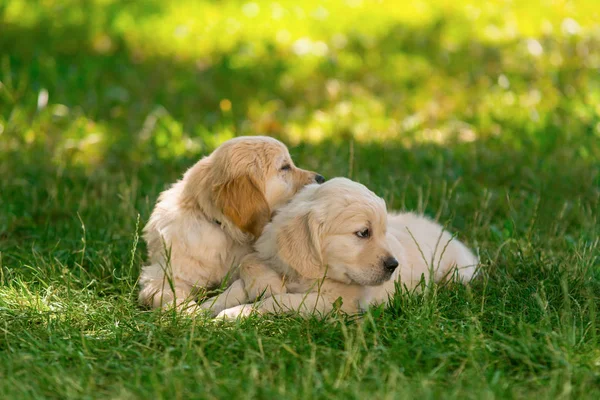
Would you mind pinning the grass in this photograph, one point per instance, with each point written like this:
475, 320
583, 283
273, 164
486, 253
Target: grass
486, 117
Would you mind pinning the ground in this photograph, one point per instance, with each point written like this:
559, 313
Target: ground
484, 115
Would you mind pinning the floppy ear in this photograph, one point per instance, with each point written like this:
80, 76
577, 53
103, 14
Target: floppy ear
299, 246
242, 201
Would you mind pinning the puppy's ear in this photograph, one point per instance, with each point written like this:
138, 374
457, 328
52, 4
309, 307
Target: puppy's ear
243, 202
299, 246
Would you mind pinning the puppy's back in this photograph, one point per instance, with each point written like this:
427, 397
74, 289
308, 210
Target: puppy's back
423, 245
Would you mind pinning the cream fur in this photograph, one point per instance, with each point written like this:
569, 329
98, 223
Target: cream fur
309, 255
207, 222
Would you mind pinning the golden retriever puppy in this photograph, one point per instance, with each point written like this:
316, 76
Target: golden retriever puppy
206, 222
337, 241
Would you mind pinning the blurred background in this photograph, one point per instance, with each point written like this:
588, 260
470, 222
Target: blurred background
173, 78
105, 102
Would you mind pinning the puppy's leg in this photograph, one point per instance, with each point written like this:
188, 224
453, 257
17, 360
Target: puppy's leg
159, 292
256, 279
259, 279
302, 303
459, 262
232, 296
173, 286
466, 263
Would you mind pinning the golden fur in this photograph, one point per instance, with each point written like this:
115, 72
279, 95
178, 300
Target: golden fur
311, 254
206, 222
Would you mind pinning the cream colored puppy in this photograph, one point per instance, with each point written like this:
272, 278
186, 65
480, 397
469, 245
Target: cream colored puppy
337, 240
206, 222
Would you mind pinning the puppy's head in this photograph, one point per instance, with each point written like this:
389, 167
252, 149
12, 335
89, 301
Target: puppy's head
338, 228
246, 178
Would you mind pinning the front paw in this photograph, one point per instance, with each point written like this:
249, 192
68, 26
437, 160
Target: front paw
211, 307
232, 313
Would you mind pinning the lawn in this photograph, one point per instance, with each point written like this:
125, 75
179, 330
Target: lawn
484, 115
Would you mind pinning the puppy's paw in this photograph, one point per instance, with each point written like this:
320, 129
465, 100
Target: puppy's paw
211, 307
232, 313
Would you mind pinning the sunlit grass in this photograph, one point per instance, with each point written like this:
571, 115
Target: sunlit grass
422, 71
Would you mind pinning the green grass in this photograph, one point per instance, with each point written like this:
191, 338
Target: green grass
485, 115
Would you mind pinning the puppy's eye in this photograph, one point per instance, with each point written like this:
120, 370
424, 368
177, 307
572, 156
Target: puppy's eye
364, 234
286, 167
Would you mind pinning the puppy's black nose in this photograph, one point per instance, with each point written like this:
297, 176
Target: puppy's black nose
390, 264
319, 179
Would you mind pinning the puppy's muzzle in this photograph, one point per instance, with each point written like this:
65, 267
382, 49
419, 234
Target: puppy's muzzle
390, 264
319, 179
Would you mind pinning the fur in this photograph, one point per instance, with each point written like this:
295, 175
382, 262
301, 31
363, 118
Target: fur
206, 223
311, 254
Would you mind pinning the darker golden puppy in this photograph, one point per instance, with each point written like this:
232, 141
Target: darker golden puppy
206, 222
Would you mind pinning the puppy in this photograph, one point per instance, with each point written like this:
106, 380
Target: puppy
206, 222
337, 241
